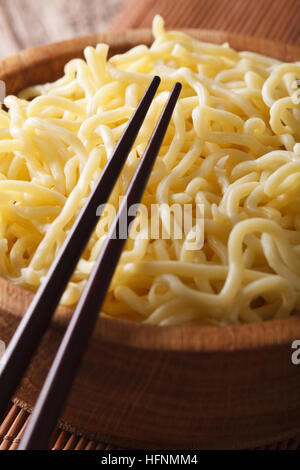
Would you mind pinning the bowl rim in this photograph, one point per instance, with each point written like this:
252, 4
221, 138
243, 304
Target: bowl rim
206, 339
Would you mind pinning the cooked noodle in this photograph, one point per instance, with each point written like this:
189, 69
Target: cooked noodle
232, 147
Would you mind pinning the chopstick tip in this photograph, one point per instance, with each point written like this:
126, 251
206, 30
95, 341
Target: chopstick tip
156, 80
178, 86
176, 90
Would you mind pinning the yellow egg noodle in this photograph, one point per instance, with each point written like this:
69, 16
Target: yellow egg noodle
233, 146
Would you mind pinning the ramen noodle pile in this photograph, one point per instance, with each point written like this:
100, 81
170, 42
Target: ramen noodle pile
233, 147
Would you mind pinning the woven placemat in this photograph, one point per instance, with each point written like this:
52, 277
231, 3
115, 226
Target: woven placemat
14, 424
274, 19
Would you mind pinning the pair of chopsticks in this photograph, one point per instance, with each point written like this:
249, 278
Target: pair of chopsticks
37, 318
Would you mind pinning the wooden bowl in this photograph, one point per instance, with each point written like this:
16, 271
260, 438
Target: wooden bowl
144, 386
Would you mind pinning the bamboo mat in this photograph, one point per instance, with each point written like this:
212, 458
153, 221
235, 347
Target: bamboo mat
14, 424
274, 19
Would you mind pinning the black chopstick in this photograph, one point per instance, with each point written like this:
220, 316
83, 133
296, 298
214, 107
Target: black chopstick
38, 316
62, 373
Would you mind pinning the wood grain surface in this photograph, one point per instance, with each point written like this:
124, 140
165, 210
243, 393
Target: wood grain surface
273, 19
143, 386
